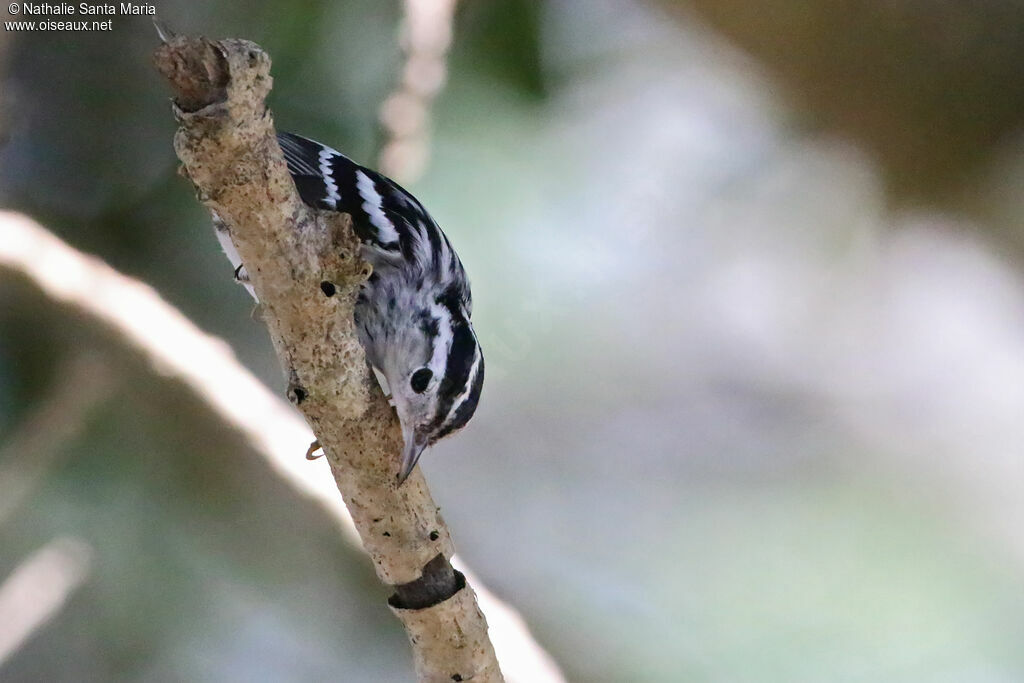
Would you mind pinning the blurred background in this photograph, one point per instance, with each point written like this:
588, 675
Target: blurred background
748, 279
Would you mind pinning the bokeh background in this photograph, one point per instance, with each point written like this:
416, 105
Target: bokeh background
748, 278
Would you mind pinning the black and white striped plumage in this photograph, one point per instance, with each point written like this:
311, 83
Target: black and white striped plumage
413, 313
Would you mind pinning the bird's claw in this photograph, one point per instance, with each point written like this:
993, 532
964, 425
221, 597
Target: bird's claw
313, 448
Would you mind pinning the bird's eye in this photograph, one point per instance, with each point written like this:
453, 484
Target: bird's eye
420, 380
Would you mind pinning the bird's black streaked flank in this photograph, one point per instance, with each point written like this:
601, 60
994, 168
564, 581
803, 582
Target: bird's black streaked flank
413, 313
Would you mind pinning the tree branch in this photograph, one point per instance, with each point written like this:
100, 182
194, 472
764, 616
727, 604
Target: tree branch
405, 115
36, 591
174, 348
35, 447
227, 144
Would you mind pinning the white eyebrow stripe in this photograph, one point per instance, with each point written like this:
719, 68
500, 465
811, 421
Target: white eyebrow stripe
444, 338
373, 206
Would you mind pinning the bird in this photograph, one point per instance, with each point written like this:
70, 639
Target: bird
413, 313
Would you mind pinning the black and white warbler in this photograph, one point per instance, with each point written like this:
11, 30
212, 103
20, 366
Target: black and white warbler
413, 313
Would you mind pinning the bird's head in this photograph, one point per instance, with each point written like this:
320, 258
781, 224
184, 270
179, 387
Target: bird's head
435, 379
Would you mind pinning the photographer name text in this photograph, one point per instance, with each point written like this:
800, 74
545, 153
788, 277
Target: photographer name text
64, 9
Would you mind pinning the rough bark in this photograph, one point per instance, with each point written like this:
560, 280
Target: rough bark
226, 142
140, 322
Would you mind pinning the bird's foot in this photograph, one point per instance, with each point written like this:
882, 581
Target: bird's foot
313, 448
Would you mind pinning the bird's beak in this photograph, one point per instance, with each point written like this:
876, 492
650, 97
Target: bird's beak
414, 447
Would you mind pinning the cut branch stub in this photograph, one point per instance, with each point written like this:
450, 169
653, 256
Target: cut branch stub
196, 69
228, 148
